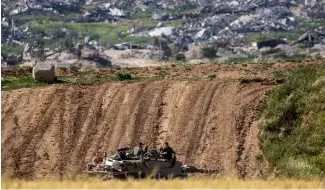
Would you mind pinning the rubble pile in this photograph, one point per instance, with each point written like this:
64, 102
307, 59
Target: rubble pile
314, 9
239, 21
223, 24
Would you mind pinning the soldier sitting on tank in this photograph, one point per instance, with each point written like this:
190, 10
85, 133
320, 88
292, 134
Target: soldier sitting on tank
139, 151
105, 157
168, 153
97, 159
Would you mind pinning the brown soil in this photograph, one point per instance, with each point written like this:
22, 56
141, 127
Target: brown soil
58, 129
209, 123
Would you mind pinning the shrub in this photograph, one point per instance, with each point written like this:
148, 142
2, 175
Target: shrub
209, 51
123, 76
180, 57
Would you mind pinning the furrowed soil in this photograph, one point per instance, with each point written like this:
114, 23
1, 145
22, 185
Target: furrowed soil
210, 123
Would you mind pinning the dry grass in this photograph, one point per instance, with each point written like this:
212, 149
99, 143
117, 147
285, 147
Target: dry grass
190, 183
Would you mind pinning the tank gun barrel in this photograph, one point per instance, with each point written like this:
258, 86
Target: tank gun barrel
193, 169
209, 171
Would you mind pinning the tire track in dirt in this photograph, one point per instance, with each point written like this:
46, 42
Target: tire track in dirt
220, 141
244, 122
171, 102
185, 115
58, 129
10, 134
104, 128
204, 138
155, 126
147, 114
88, 127
112, 110
80, 104
126, 116
42, 128
25, 154
199, 125
69, 134
140, 114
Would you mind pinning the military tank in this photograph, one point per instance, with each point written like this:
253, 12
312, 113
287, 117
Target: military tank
125, 165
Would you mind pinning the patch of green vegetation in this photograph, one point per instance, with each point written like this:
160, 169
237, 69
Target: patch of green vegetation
12, 49
174, 23
24, 67
235, 60
173, 49
256, 37
292, 58
290, 36
293, 132
20, 82
180, 57
267, 61
87, 81
123, 76
147, 14
42, 18
278, 75
108, 33
171, 11
307, 24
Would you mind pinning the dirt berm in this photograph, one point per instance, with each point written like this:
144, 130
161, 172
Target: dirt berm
58, 129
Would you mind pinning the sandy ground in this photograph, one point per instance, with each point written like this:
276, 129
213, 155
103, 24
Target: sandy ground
58, 129
209, 123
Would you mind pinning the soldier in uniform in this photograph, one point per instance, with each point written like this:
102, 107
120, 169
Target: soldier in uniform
168, 153
105, 157
139, 151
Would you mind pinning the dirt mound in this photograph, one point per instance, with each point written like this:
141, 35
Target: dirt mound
58, 129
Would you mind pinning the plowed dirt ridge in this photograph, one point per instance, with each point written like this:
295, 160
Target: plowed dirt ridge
58, 129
